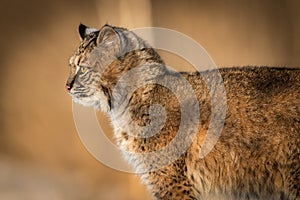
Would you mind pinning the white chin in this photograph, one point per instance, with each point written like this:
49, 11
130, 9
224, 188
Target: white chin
88, 102
98, 100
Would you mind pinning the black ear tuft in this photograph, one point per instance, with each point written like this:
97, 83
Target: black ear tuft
82, 30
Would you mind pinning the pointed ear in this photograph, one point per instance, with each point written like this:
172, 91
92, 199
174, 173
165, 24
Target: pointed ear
108, 35
84, 31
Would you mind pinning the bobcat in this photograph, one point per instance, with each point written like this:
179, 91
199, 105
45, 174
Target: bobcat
257, 155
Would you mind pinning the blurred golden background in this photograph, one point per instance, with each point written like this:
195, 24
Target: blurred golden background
41, 156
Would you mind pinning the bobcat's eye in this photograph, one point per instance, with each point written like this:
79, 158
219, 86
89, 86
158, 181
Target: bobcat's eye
83, 69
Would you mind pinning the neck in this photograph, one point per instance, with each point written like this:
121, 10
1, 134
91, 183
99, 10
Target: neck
129, 78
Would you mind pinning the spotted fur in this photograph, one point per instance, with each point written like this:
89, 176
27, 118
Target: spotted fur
257, 155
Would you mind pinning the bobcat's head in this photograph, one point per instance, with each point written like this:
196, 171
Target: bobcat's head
98, 62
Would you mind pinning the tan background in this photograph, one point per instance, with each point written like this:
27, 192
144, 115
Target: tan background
41, 156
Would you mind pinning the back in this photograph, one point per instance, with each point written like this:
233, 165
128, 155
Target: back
257, 155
